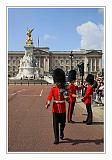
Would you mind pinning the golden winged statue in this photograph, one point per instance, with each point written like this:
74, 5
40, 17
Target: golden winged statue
29, 31
28, 38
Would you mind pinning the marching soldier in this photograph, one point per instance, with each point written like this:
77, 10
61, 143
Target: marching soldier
72, 94
58, 108
87, 98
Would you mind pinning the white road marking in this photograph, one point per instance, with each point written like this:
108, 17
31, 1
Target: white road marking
41, 92
21, 90
12, 94
27, 95
17, 92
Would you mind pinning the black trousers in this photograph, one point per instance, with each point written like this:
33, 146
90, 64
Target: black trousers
89, 113
70, 111
58, 118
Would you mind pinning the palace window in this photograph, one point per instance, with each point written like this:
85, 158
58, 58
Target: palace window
14, 61
67, 61
67, 68
56, 61
18, 61
14, 68
9, 68
62, 61
62, 67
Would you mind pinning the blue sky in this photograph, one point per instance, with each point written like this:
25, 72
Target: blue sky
57, 28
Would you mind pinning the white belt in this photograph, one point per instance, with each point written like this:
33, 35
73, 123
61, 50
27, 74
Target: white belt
58, 101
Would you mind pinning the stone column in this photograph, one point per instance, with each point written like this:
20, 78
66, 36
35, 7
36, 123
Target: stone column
91, 65
47, 64
95, 64
44, 64
85, 65
100, 65
39, 62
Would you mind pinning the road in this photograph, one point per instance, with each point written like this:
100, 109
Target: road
30, 124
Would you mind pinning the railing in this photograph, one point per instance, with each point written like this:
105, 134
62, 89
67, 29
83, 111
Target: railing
27, 82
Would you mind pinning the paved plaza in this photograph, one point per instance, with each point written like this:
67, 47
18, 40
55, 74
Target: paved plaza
30, 124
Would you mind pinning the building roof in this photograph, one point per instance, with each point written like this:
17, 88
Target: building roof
46, 50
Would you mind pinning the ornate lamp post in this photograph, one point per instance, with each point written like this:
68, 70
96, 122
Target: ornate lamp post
88, 67
81, 70
71, 56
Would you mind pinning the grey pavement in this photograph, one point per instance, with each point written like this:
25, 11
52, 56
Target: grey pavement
98, 110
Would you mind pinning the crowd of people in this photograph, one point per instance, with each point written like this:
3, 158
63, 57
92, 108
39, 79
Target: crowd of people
98, 94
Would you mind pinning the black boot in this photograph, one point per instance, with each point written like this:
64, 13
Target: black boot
87, 108
56, 142
72, 121
90, 118
62, 126
61, 135
85, 121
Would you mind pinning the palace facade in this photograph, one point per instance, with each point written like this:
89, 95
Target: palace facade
48, 60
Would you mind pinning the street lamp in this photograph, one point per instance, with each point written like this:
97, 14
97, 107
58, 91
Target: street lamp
71, 56
88, 67
81, 70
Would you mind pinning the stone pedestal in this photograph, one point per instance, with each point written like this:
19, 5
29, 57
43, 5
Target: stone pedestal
28, 67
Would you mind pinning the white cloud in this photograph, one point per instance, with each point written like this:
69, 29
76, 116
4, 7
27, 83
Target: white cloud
48, 37
92, 35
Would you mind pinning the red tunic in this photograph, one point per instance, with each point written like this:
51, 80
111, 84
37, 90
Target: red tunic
58, 102
88, 94
71, 90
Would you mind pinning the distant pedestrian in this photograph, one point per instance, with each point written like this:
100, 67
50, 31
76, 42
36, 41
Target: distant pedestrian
94, 86
71, 94
58, 108
88, 97
101, 93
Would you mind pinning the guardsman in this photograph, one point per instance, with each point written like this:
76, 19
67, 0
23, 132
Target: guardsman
58, 108
88, 98
71, 94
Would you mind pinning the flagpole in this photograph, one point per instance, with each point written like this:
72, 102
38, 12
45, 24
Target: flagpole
38, 42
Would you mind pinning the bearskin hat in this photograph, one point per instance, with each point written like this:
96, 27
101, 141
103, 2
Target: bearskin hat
59, 76
90, 79
71, 75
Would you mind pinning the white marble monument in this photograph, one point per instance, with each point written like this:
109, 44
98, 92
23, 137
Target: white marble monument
28, 66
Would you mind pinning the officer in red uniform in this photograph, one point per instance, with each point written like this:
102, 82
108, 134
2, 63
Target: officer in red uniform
71, 94
58, 108
87, 98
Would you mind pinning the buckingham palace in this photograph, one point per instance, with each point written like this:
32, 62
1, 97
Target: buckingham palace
48, 60
40, 61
